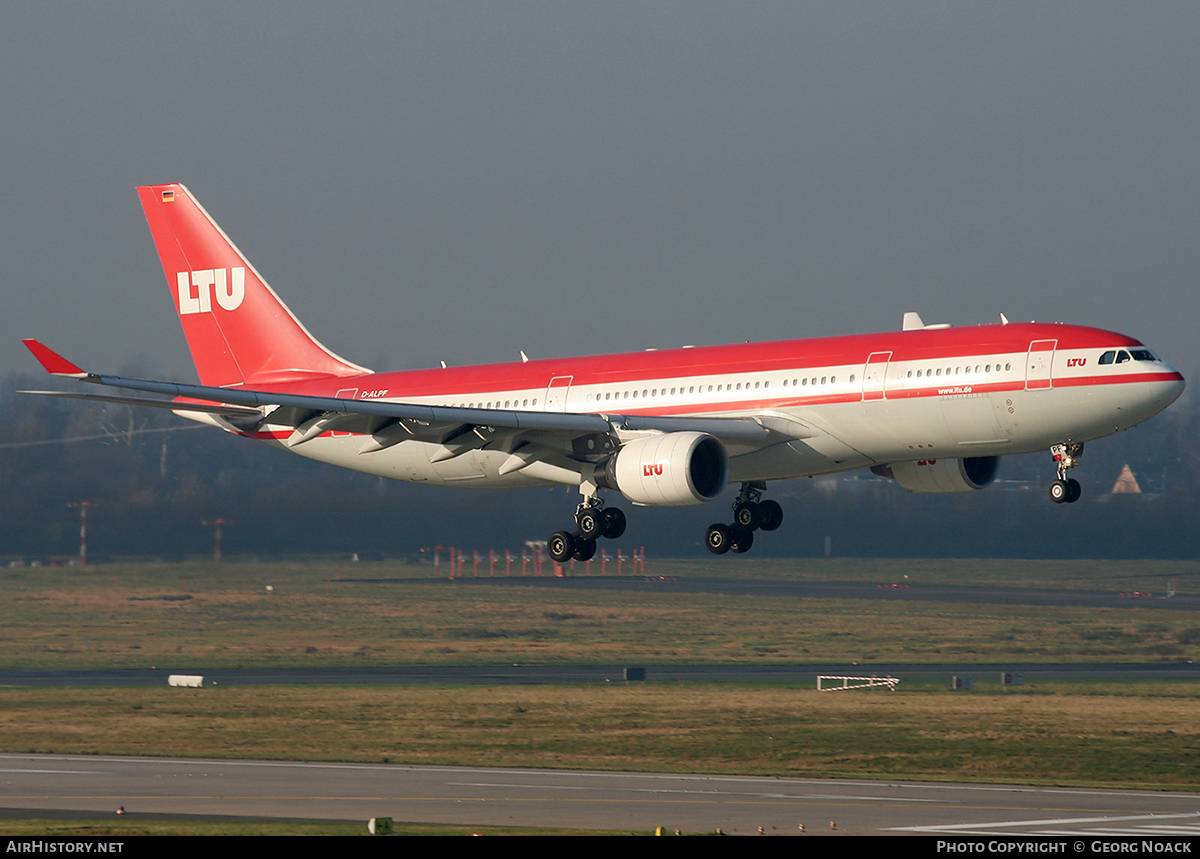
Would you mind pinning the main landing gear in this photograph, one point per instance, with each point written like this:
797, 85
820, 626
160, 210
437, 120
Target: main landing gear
592, 521
1064, 490
750, 513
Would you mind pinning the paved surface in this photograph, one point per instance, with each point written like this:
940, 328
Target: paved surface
35, 785
806, 675
824, 590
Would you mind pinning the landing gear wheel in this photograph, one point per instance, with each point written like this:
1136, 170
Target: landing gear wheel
584, 550
1060, 491
561, 546
1074, 491
743, 539
614, 523
746, 515
591, 523
719, 539
770, 514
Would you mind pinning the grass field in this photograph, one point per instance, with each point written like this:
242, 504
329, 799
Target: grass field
1133, 735
201, 615
323, 614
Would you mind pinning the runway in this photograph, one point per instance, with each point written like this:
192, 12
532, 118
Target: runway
775, 588
504, 675
34, 785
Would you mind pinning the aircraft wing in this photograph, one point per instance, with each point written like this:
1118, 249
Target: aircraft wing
387, 422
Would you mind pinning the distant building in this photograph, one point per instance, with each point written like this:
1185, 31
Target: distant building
1126, 482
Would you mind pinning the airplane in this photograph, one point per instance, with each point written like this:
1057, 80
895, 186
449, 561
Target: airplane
930, 406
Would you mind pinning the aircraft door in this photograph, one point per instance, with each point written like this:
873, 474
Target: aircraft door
345, 394
556, 393
1039, 364
874, 375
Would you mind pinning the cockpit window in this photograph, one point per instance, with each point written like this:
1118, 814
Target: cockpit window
1122, 357
1141, 355
1107, 357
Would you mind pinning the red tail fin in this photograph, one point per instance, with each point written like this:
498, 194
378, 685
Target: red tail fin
239, 332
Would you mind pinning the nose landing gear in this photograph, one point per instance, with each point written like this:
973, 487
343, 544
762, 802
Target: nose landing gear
750, 513
1064, 490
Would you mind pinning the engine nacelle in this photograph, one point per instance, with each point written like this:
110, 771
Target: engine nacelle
942, 475
668, 470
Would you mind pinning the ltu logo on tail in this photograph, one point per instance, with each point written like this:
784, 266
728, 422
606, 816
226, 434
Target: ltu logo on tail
197, 288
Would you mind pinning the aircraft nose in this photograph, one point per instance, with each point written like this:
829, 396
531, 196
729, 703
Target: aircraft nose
1167, 390
1175, 387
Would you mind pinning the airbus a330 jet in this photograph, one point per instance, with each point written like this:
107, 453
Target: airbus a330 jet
930, 406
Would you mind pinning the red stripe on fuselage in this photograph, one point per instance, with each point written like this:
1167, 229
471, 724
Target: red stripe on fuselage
1122, 379
940, 345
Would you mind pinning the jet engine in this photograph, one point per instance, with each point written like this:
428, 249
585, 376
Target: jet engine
671, 469
942, 475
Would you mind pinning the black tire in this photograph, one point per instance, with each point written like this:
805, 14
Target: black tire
1075, 490
771, 514
746, 515
591, 524
561, 546
614, 523
585, 550
1059, 491
743, 539
718, 538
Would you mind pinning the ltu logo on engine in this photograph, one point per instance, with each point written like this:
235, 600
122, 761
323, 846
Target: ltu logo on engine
197, 288
654, 469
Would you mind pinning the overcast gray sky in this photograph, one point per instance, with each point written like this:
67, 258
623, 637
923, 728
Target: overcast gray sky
457, 181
